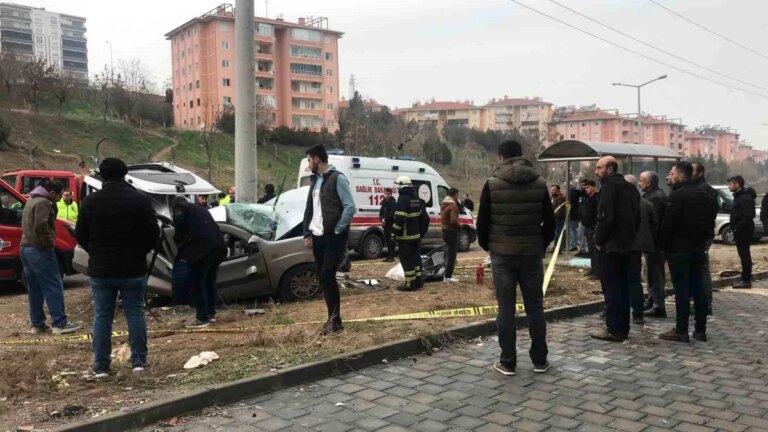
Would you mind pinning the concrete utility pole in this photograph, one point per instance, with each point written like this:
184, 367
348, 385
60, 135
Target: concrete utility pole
639, 113
245, 104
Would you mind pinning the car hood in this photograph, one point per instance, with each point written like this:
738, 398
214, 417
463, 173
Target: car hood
289, 213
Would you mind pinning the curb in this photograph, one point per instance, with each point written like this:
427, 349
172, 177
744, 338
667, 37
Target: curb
227, 393
732, 280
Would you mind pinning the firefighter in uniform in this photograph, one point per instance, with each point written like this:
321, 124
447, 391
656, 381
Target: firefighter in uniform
411, 223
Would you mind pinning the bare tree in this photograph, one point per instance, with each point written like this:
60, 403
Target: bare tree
213, 113
37, 75
10, 72
62, 86
102, 88
134, 81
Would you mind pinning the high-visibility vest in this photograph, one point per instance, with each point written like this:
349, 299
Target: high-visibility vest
67, 212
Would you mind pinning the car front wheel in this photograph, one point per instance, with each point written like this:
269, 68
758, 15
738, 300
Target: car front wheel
464, 240
301, 282
727, 235
373, 246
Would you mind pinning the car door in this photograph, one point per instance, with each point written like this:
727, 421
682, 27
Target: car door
243, 273
11, 209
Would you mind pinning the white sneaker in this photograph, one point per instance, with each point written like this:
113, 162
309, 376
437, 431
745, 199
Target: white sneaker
450, 280
138, 369
100, 375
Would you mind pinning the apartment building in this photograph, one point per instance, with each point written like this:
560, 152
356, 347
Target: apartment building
30, 33
369, 105
525, 115
591, 123
296, 70
726, 141
445, 114
701, 145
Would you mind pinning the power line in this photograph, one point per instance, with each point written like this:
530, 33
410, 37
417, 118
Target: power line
641, 54
708, 30
657, 48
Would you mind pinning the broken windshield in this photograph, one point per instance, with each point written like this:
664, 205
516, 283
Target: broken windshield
258, 219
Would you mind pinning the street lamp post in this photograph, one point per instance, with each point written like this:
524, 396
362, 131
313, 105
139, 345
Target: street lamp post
639, 114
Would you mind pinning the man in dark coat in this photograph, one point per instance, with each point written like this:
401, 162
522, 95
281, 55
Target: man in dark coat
516, 223
688, 223
387, 217
699, 179
654, 260
201, 250
645, 239
588, 219
118, 228
269, 194
743, 226
618, 217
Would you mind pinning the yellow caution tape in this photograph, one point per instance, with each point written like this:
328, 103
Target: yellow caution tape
551, 266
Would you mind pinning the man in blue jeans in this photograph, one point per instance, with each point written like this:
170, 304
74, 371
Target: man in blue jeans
516, 223
41, 268
118, 228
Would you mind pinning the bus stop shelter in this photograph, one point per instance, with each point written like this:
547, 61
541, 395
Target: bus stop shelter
631, 157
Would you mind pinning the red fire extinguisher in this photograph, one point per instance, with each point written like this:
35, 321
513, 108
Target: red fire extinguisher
480, 274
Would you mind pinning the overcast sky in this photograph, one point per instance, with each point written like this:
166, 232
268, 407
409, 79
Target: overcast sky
402, 51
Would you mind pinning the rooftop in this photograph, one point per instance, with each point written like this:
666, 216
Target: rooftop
590, 150
516, 102
441, 106
227, 12
589, 115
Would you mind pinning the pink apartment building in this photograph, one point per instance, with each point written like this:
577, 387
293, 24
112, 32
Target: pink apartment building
726, 142
701, 145
296, 70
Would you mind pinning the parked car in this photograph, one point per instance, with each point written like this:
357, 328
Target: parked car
368, 177
11, 208
723, 220
265, 252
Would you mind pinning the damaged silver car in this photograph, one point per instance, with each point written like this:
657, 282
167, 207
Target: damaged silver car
265, 252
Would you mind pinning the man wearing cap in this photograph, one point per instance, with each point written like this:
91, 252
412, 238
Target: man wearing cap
387, 216
118, 228
411, 223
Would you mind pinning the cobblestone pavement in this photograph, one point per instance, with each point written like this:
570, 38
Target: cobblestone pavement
644, 384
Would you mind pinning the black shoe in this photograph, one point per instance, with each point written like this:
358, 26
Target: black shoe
541, 368
505, 369
333, 325
411, 287
742, 285
608, 336
389, 260
700, 336
638, 321
674, 336
655, 312
709, 311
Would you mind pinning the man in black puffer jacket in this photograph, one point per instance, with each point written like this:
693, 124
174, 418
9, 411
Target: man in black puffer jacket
654, 260
743, 225
618, 218
688, 223
700, 180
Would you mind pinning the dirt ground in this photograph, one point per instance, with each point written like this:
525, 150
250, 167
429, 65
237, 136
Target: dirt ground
39, 381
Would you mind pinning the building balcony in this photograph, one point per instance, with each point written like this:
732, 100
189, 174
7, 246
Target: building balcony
311, 78
314, 96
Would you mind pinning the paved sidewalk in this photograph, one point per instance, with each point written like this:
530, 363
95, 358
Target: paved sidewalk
644, 384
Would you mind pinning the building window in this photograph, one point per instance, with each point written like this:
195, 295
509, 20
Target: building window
38, 39
225, 82
197, 84
329, 72
306, 52
225, 45
267, 101
329, 56
191, 104
328, 39
54, 21
330, 106
183, 54
225, 63
330, 89
306, 35
264, 29
596, 135
190, 86
583, 124
573, 136
306, 69
224, 26
597, 123
198, 101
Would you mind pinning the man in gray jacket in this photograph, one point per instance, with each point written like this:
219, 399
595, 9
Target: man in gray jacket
645, 239
41, 268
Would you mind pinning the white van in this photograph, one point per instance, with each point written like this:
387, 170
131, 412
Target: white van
368, 177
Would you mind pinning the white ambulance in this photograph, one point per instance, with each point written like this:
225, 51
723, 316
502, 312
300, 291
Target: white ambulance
368, 178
